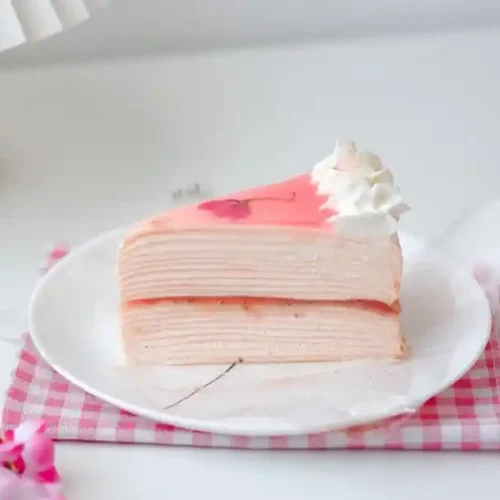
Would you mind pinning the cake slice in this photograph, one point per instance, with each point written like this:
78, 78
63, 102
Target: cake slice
308, 269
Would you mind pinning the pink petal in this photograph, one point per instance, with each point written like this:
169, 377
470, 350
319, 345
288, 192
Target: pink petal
225, 209
28, 429
55, 491
8, 435
49, 475
28, 489
9, 482
38, 454
10, 451
241, 211
230, 208
17, 487
209, 205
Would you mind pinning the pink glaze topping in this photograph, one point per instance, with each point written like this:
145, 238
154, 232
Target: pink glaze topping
293, 202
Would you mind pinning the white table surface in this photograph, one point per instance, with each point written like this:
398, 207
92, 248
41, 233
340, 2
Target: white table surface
84, 149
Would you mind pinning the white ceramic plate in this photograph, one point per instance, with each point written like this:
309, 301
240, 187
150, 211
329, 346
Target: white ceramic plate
75, 326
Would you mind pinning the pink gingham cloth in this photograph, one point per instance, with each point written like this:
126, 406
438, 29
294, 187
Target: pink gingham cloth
464, 417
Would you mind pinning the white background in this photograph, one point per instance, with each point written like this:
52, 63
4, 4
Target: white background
86, 148
144, 26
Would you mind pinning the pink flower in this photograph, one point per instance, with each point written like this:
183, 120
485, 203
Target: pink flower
229, 208
234, 209
27, 455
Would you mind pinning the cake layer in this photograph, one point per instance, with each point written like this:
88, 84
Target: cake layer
284, 262
183, 332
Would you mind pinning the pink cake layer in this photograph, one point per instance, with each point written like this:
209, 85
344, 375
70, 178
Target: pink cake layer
193, 332
261, 261
274, 241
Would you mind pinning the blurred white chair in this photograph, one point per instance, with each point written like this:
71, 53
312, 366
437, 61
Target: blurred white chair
24, 21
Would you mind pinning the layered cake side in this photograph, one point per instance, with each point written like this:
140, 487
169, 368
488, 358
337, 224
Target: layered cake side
304, 270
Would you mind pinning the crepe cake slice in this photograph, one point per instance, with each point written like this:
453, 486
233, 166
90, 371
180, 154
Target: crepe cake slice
305, 270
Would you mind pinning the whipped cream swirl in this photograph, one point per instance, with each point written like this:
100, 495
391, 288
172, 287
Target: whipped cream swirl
360, 190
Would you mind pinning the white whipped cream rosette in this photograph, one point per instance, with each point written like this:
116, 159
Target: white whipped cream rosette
360, 190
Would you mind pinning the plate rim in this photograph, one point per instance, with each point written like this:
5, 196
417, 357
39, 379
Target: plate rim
217, 426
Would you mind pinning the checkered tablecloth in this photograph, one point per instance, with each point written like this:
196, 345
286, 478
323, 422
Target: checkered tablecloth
464, 417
